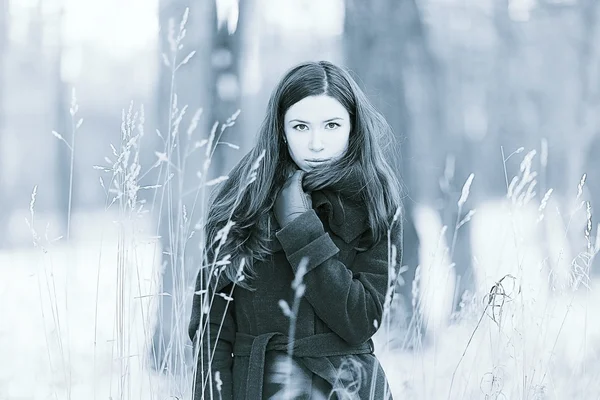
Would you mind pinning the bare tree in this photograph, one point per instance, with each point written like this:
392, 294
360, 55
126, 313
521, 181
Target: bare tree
376, 36
63, 152
574, 152
389, 49
185, 87
226, 89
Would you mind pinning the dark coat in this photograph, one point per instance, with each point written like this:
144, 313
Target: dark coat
338, 314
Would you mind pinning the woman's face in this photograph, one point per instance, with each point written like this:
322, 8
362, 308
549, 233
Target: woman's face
317, 128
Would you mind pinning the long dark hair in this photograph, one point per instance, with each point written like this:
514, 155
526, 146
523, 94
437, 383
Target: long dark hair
268, 164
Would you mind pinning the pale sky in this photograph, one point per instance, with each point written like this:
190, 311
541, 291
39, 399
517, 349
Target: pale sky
121, 25
118, 24
118, 27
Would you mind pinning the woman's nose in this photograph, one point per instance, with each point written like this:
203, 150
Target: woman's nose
316, 144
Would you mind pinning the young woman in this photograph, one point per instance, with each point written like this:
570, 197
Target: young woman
313, 199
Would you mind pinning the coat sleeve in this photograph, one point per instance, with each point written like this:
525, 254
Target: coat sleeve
223, 352
348, 298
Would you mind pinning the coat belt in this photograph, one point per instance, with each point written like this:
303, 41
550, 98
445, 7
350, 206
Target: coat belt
310, 350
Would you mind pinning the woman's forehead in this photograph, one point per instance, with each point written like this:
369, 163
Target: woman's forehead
316, 109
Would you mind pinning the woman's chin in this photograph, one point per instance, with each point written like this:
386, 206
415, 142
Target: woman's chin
306, 167
309, 165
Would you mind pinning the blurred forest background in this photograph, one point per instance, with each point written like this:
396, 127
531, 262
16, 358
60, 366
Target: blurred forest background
464, 84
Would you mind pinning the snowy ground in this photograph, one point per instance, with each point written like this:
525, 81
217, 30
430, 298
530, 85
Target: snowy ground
60, 335
60, 314
546, 339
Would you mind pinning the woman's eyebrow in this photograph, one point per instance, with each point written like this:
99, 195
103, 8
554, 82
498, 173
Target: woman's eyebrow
304, 122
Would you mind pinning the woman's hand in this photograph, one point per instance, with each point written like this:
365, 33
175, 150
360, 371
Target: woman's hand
292, 200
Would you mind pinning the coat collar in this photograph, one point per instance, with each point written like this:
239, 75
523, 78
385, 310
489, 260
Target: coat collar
347, 218
346, 214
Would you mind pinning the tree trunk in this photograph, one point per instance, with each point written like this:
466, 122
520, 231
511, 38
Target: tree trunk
376, 38
62, 126
209, 80
226, 92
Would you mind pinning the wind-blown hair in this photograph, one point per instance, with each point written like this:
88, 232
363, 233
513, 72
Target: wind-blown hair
362, 172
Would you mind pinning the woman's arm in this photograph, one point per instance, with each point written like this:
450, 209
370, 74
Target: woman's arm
349, 299
222, 354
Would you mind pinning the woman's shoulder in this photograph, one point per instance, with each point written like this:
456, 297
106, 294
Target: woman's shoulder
221, 283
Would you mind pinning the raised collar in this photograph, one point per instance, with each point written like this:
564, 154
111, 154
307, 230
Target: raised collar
347, 214
347, 218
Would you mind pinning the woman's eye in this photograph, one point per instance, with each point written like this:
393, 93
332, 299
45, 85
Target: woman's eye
296, 127
333, 124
